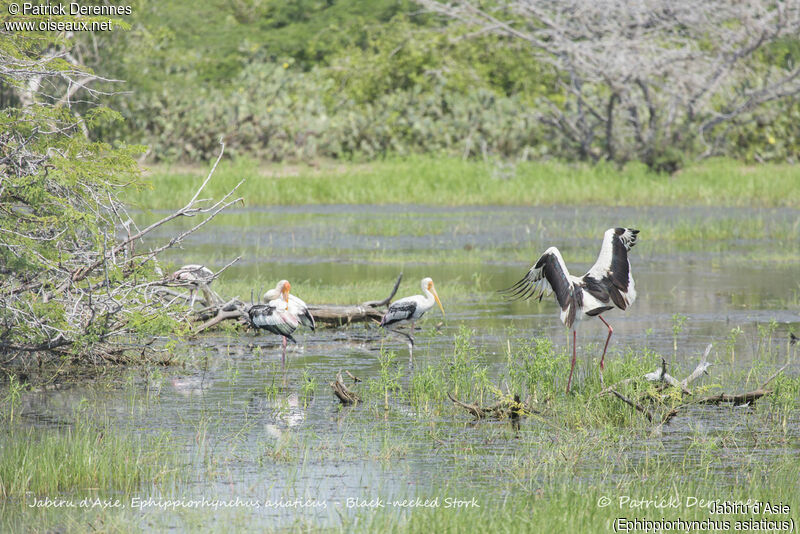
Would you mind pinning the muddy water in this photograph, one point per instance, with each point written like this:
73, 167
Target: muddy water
252, 431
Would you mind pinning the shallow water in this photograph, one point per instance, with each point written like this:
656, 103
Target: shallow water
737, 278
242, 422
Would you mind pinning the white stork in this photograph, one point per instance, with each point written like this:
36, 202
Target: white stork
608, 284
282, 314
411, 309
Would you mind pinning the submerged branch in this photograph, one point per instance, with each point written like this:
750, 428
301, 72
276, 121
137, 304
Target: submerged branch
701, 369
638, 407
345, 395
505, 408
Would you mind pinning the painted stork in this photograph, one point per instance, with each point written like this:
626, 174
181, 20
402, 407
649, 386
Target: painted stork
297, 307
608, 285
411, 309
282, 314
196, 277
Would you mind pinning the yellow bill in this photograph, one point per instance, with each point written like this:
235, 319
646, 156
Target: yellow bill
436, 297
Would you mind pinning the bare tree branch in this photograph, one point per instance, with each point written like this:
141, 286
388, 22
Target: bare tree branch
688, 66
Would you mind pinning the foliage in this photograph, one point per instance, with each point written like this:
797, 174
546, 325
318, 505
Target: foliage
367, 79
275, 112
360, 86
648, 81
73, 281
443, 181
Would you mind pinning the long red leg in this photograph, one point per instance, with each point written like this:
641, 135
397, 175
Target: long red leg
610, 331
572, 368
283, 356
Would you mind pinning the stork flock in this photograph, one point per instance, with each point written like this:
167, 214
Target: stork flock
607, 285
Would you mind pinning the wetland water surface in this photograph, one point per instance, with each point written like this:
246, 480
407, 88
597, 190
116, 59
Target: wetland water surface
251, 431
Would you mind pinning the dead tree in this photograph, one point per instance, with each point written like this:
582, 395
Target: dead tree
108, 293
638, 79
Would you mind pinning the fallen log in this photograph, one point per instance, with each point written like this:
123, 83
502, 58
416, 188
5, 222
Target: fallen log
742, 398
344, 315
334, 315
330, 315
737, 399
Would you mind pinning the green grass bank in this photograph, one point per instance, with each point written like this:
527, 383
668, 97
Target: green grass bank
447, 181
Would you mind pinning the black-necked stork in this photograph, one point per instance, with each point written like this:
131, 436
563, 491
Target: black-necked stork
281, 315
608, 284
412, 308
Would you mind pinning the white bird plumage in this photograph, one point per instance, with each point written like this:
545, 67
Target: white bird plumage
196, 277
282, 314
297, 307
607, 285
412, 308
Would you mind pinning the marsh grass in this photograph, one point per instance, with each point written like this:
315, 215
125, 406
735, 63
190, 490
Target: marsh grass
534, 370
571, 504
83, 457
451, 181
455, 289
552, 470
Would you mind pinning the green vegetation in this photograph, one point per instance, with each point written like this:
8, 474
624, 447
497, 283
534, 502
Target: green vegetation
581, 462
88, 455
449, 181
359, 79
83, 456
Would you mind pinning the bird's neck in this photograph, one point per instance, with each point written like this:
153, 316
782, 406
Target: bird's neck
428, 296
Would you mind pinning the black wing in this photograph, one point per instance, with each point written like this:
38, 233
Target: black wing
268, 318
548, 273
610, 276
402, 310
306, 319
300, 309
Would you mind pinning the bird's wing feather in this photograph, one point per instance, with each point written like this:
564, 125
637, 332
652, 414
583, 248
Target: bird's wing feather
548, 273
400, 310
271, 318
612, 268
299, 309
194, 273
